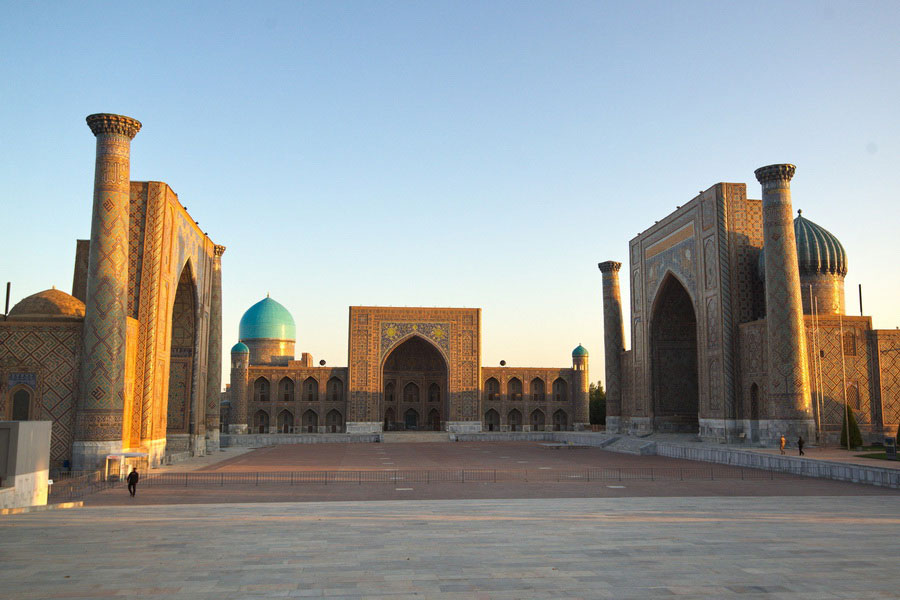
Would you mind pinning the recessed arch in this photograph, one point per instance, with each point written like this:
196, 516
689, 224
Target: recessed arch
334, 421
560, 421
261, 422
21, 404
310, 421
261, 389
310, 389
416, 372
334, 389
183, 411
492, 389
514, 389
285, 421
286, 389
674, 358
514, 420
492, 420
560, 390
537, 420
538, 390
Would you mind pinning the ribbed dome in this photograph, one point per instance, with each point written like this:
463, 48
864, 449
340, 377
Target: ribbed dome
49, 304
267, 319
818, 251
240, 348
579, 351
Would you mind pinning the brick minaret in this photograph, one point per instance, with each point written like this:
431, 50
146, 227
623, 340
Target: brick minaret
788, 396
613, 342
101, 392
214, 354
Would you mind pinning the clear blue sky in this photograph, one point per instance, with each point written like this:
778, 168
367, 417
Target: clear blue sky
449, 153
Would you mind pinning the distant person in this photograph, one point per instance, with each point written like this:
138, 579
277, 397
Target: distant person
132, 482
800, 443
783, 443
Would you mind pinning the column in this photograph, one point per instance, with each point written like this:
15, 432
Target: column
613, 343
788, 394
214, 354
99, 412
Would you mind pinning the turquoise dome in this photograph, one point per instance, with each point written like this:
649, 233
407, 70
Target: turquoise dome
240, 348
267, 319
818, 251
579, 352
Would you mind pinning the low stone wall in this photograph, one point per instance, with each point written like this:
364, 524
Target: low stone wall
783, 464
258, 440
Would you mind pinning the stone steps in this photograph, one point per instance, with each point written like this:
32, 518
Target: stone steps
395, 437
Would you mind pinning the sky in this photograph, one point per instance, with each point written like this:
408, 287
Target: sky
461, 154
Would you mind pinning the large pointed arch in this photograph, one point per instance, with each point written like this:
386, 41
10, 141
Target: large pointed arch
184, 413
673, 353
419, 373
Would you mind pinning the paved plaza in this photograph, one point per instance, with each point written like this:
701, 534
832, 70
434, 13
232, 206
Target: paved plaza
811, 547
780, 538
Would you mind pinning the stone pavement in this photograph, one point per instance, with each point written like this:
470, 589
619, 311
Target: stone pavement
835, 455
743, 548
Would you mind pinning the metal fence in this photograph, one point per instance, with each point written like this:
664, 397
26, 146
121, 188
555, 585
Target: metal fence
69, 485
221, 479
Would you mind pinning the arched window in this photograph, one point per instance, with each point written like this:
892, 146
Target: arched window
261, 421
286, 422
514, 419
389, 419
21, 405
537, 421
261, 389
411, 392
389, 391
411, 419
286, 390
335, 389
334, 422
311, 389
514, 389
434, 393
492, 420
538, 393
310, 421
492, 389
560, 421
560, 390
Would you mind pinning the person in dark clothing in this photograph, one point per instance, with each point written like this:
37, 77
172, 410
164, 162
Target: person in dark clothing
800, 443
132, 482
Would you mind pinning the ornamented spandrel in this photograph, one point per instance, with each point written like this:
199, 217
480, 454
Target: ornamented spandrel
102, 376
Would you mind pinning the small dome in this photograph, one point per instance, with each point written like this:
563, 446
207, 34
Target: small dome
240, 348
49, 304
579, 352
818, 251
267, 319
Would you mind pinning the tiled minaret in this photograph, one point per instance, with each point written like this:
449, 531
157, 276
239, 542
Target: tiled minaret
240, 368
214, 354
582, 382
613, 342
788, 394
101, 392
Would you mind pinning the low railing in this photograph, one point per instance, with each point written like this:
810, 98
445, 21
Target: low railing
69, 485
220, 479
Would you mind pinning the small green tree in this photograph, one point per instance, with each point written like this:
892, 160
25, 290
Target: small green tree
855, 436
597, 397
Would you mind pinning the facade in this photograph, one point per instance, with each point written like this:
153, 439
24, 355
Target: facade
129, 362
408, 369
738, 326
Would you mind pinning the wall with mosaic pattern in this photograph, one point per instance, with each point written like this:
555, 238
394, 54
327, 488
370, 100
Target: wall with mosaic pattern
43, 357
376, 331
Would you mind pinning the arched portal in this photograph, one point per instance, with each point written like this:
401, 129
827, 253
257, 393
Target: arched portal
21, 405
419, 372
181, 411
285, 422
334, 422
514, 420
537, 420
673, 359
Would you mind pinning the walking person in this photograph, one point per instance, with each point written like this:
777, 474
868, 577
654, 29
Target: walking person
800, 443
783, 443
132, 482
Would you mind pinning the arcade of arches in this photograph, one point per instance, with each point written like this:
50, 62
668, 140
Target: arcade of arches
411, 369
